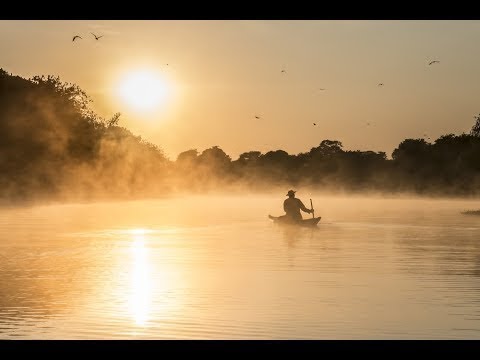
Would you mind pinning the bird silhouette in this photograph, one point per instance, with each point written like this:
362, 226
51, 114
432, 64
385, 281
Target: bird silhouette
433, 62
96, 37
76, 36
381, 84
283, 71
257, 117
321, 89
315, 124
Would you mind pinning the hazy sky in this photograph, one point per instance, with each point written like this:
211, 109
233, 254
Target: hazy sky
221, 74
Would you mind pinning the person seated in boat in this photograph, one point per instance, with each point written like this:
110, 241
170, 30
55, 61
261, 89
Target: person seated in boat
292, 207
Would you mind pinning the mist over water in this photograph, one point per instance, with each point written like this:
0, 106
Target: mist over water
215, 267
103, 236
54, 147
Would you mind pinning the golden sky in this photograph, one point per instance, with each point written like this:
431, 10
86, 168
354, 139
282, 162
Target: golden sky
221, 74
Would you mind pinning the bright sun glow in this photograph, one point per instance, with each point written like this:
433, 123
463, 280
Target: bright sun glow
143, 90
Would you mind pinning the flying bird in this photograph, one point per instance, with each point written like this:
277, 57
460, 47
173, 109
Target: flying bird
257, 117
76, 36
283, 71
381, 84
433, 62
321, 89
96, 37
315, 124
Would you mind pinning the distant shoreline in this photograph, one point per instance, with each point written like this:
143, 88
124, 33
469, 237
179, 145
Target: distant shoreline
69, 153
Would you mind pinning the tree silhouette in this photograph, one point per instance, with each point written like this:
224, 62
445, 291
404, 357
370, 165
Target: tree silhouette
476, 127
215, 159
52, 143
250, 157
189, 156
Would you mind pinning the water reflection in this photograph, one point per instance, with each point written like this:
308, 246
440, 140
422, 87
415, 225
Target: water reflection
190, 269
141, 285
293, 235
449, 250
296, 239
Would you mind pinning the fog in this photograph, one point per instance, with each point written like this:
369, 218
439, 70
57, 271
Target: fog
103, 236
212, 266
53, 148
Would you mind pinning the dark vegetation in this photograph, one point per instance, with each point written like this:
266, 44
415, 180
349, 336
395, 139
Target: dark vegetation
53, 146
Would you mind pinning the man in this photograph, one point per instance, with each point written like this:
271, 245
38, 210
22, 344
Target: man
292, 207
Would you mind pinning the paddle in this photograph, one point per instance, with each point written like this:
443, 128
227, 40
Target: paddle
313, 211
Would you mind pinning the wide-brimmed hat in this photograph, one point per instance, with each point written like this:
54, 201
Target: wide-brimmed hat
291, 192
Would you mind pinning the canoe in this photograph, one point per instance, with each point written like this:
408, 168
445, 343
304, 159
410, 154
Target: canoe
286, 221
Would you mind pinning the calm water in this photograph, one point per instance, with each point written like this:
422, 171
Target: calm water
217, 268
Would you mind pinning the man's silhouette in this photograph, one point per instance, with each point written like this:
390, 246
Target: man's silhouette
292, 207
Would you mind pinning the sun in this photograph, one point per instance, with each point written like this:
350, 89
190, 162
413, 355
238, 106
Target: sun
143, 90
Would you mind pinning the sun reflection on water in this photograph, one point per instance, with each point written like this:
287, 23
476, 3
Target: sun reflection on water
141, 289
140, 232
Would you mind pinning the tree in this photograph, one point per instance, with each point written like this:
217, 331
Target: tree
276, 157
476, 127
71, 93
188, 156
50, 140
215, 157
249, 157
410, 150
113, 121
327, 148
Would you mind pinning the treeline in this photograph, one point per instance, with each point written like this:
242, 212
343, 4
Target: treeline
52, 145
448, 166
